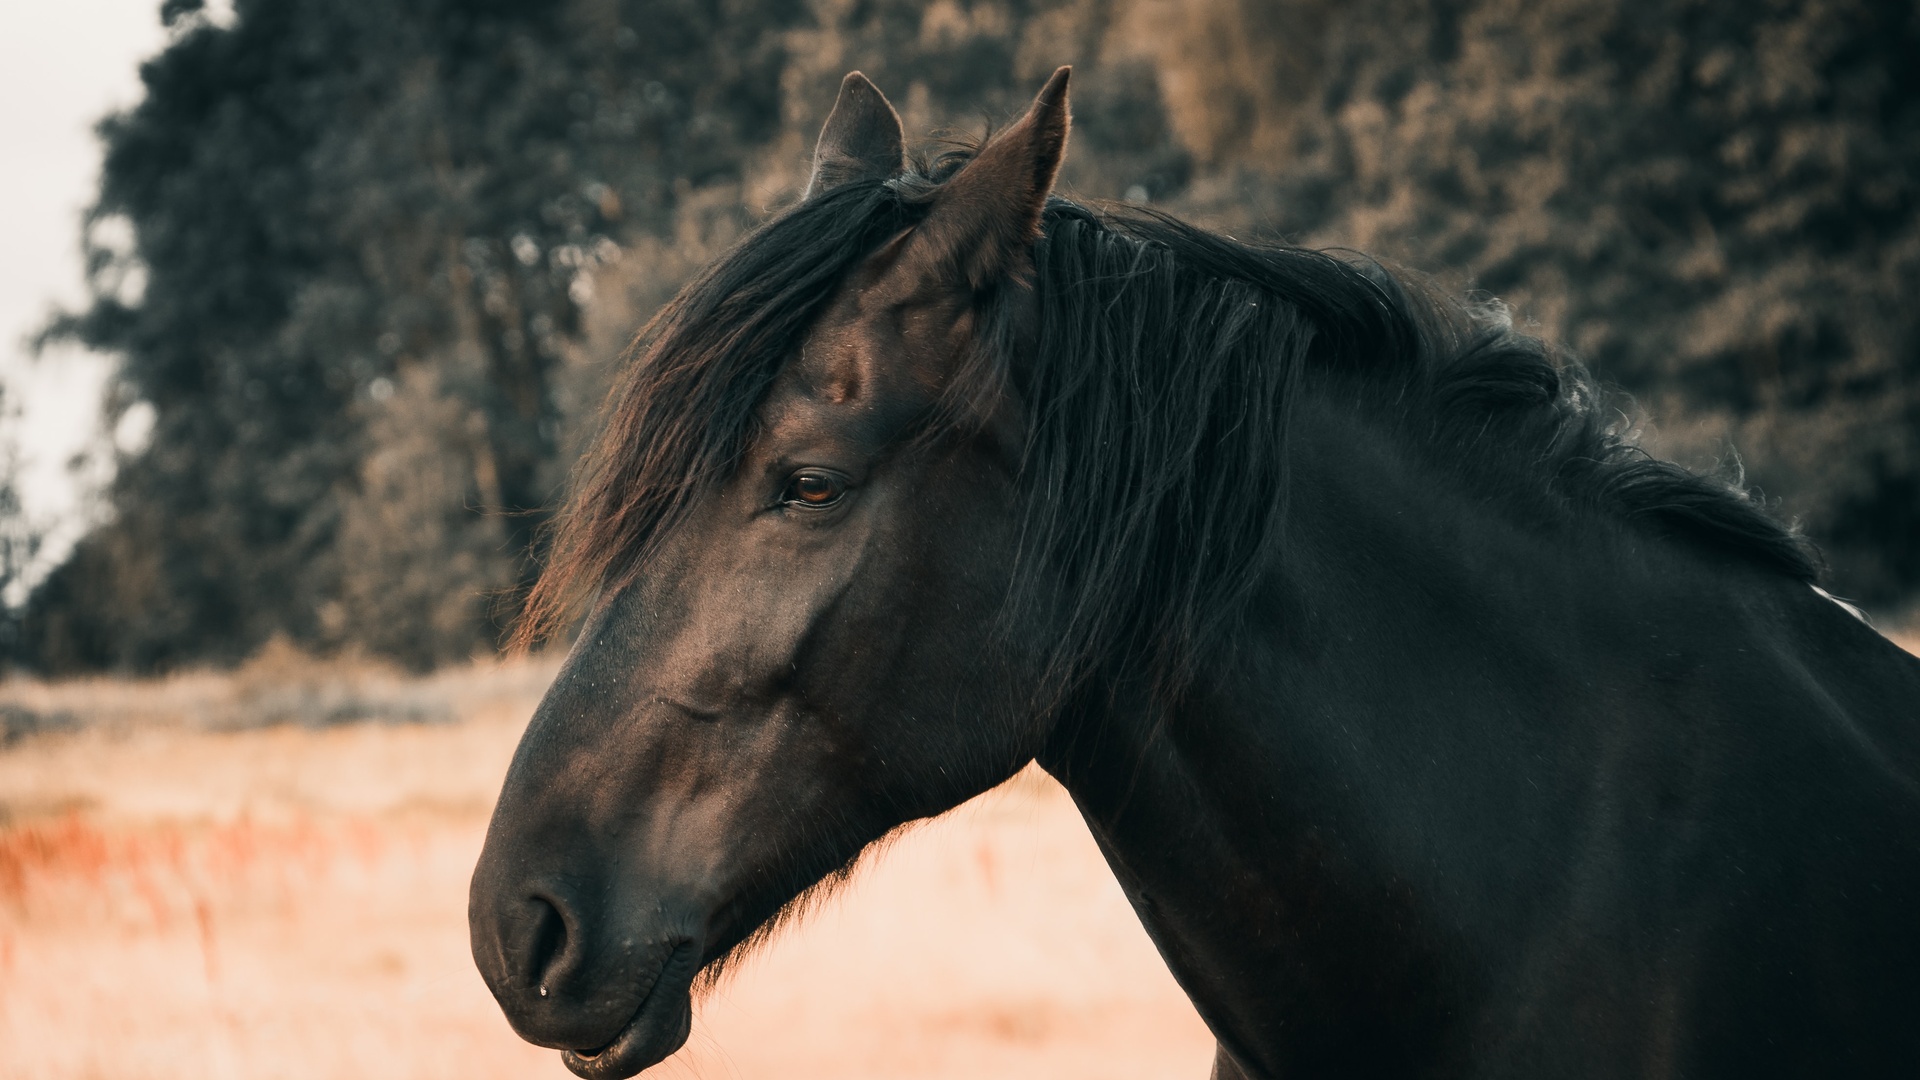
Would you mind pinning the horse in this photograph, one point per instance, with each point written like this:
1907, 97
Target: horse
1432, 727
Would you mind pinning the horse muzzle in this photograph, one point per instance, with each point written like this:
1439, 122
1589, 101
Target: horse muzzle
612, 993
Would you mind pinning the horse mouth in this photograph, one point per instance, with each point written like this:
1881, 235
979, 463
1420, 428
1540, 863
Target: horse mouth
659, 1025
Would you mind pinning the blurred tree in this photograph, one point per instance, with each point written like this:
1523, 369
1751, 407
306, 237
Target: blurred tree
323, 196
20, 541
1716, 203
367, 259
429, 465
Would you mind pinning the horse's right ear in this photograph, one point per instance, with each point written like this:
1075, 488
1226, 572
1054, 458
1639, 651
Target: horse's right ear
862, 139
985, 219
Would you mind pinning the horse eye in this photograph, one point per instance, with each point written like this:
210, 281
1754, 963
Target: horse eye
814, 489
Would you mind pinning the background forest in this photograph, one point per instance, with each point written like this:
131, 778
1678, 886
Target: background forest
367, 263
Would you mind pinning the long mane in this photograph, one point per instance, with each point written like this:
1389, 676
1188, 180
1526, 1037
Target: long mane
1168, 359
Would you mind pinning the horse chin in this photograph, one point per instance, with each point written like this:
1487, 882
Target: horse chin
657, 1028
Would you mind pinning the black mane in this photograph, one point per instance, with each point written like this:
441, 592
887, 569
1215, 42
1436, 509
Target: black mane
1167, 360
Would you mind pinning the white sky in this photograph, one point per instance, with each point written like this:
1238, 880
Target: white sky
63, 65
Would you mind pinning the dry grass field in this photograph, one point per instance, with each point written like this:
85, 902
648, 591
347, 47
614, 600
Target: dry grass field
263, 875
185, 893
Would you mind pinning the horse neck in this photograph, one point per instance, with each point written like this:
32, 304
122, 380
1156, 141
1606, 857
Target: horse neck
1311, 838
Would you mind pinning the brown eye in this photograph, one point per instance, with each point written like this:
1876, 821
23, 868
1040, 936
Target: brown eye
813, 488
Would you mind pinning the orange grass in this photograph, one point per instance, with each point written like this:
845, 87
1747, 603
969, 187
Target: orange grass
180, 899
183, 900
72, 859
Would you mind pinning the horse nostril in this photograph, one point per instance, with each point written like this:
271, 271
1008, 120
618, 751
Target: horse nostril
546, 943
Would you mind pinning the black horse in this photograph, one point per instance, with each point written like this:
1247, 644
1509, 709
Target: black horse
1432, 728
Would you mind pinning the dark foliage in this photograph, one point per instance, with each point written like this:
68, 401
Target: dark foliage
375, 252
362, 222
1713, 202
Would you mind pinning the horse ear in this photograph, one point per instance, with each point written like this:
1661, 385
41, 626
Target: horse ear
984, 221
862, 139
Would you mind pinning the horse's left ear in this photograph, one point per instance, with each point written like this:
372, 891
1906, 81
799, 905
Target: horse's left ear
984, 221
862, 139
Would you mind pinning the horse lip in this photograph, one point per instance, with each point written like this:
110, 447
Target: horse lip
634, 1047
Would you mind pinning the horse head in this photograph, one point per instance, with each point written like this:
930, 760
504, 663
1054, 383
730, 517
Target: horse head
791, 653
